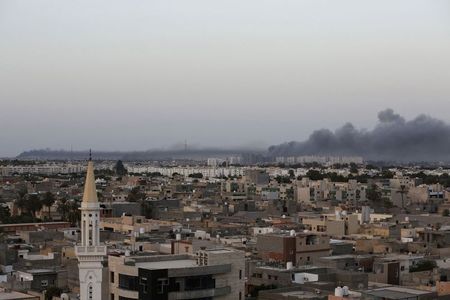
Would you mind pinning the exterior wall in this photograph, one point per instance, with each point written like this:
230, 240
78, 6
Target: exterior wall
443, 288
225, 267
304, 195
335, 227
276, 248
310, 247
117, 266
235, 278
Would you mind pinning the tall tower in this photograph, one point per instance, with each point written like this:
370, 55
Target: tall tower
90, 252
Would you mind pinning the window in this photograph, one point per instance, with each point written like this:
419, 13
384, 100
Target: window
44, 282
111, 276
112, 296
240, 274
143, 282
127, 282
240, 295
162, 283
90, 292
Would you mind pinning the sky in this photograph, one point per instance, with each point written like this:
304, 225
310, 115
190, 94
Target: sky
136, 75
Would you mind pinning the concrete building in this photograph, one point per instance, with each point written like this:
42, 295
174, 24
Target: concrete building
297, 248
338, 224
209, 274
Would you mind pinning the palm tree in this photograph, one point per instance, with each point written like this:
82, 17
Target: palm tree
20, 202
74, 214
33, 204
63, 208
48, 200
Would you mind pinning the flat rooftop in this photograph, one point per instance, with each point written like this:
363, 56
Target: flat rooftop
395, 292
15, 295
167, 264
219, 251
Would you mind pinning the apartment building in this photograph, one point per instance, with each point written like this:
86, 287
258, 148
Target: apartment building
297, 248
209, 274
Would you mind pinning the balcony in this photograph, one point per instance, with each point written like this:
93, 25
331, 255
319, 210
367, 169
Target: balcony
90, 250
217, 292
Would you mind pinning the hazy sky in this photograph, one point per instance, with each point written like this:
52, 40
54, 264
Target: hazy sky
121, 75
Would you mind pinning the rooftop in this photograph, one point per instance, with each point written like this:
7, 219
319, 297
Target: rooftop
167, 264
395, 292
15, 295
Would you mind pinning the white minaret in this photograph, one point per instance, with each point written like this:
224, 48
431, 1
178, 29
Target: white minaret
90, 252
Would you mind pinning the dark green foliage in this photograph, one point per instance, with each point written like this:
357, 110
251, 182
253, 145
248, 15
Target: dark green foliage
120, 169
5, 214
291, 174
374, 194
283, 179
51, 292
147, 209
424, 265
69, 211
443, 179
385, 173
135, 195
446, 212
315, 175
48, 200
33, 204
196, 175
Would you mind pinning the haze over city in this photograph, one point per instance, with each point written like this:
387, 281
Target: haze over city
225, 150
114, 75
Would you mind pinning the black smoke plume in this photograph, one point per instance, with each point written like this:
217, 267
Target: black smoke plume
393, 139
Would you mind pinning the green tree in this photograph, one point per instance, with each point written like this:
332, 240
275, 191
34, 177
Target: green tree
33, 204
374, 194
48, 200
120, 169
52, 291
74, 214
291, 173
314, 175
424, 265
446, 212
147, 209
5, 214
135, 195
196, 175
63, 208
353, 168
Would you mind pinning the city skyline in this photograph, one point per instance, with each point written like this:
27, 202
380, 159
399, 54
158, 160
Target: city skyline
150, 75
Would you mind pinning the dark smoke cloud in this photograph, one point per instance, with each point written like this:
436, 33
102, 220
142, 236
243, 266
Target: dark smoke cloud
393, 139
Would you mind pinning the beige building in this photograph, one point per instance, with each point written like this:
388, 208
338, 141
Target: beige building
138, 224
209, 274
333, 224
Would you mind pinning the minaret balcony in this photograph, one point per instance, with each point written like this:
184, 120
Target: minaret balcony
90, 250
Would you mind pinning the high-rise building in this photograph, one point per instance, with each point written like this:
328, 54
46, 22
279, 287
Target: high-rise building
90, 252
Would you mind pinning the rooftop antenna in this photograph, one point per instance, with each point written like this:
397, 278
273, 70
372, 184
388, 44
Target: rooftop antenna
90, 154
185, 145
